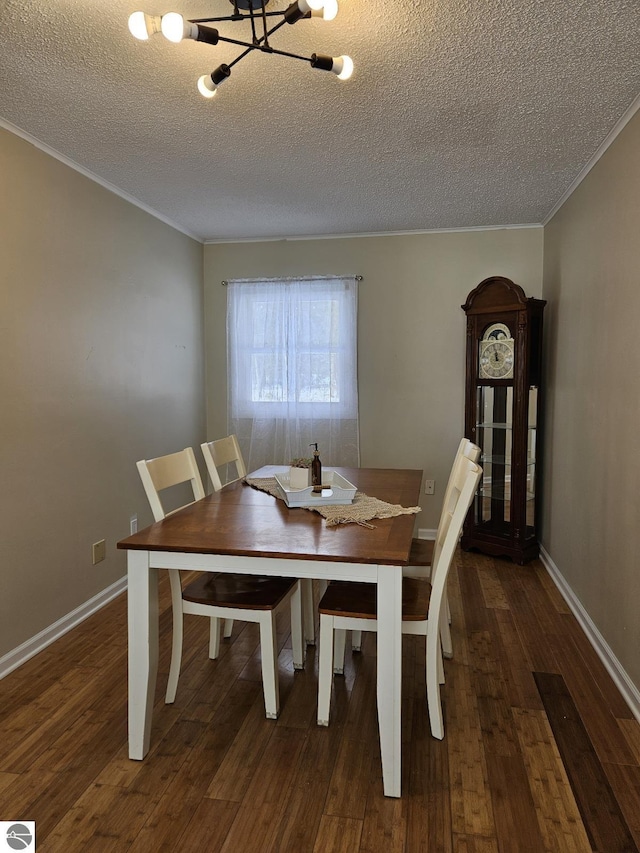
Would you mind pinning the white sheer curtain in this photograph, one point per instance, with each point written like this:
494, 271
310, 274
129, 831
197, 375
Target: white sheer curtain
292, 369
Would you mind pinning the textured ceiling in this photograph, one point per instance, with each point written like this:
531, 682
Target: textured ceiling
460, 113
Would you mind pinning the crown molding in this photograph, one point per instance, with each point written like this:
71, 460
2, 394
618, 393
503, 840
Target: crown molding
357, 236
609, 139
47, 149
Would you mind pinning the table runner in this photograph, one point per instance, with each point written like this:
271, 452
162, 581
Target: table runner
360, 511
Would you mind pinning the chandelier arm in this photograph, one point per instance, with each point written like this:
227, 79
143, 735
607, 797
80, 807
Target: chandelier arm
262, 48
247, 44
275, 27
251, 47
242, 56
238, 17
269, 49
258, 46
286, 53
254, 38
253, 18
264, 21
253, 31
240, 43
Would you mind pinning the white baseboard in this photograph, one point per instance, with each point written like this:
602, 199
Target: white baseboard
625, 685
12, 660
426, 533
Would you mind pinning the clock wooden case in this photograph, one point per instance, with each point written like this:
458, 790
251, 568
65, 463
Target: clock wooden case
503, 405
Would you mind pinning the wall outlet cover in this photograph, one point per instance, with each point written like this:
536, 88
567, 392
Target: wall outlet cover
99, 551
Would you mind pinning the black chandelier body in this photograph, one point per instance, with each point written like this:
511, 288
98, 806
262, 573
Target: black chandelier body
175, 28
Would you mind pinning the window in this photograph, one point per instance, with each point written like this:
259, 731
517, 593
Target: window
292, 348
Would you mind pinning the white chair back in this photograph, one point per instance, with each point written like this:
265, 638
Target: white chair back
221, 452
466, 450
166, 471
463, 488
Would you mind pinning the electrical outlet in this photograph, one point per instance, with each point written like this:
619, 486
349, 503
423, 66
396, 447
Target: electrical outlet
429, 487
99, 551
133, 524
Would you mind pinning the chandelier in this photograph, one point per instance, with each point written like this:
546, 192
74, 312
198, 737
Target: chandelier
175, 28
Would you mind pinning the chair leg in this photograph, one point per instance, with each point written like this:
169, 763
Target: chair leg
176, 641
296, 627
228, 628
339, 642
269, 655
434, 666
325, 668
440, 667
356, 641
309, 612
214, 637
445, 633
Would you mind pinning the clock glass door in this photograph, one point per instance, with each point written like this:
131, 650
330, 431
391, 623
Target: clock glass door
494, 506
532, 427
494, 432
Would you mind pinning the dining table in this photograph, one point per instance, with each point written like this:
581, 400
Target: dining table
244, 530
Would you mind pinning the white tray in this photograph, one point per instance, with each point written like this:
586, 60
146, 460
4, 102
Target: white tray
337, 491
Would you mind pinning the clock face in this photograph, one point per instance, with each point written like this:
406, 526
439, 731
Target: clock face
496, 359
496, 332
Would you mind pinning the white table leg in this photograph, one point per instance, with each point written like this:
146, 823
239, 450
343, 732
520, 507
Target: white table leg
308, 612
390, 676
143, 649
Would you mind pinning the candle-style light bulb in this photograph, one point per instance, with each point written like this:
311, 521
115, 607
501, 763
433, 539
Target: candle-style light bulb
343, 67
173, 26
327, 12
206, 86
142, 26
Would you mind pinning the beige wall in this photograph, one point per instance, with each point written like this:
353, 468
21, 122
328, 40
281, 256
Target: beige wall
101, 353
411, 331
592, 471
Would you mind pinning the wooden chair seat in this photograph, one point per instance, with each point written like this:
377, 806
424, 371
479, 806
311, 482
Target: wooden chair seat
358, 600
421, 553
420, 558
238, 591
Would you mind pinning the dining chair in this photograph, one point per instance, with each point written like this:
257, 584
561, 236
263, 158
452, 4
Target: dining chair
248, 598
220, 454
352, 606
226, 451
421, 554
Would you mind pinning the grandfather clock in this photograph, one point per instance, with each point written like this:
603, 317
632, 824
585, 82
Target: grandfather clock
502, 416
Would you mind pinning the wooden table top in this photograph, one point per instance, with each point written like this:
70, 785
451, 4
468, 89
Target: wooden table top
242, 521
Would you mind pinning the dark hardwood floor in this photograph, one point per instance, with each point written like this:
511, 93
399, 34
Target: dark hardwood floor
540, 752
